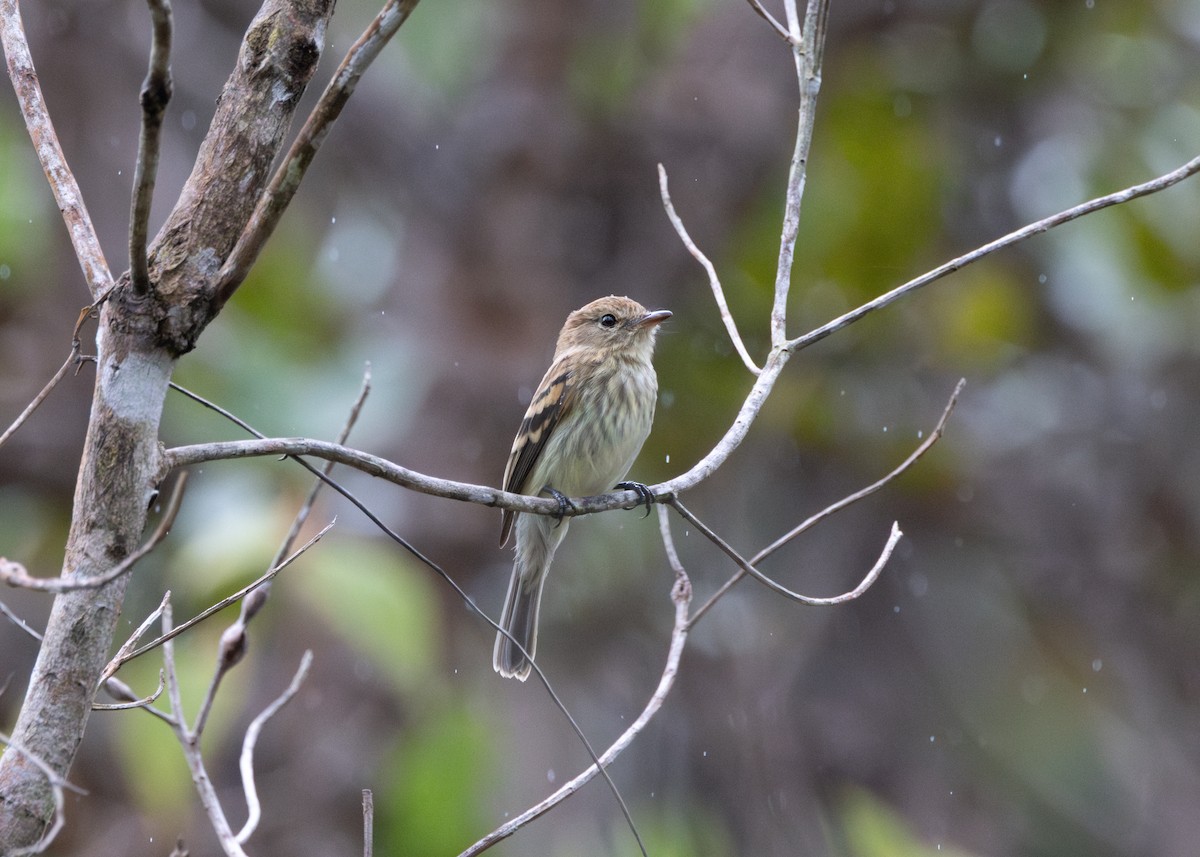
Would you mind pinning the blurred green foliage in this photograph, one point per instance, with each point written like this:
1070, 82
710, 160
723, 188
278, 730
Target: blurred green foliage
872, 829
380, 603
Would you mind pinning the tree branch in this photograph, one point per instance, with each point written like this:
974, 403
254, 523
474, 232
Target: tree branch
1154, 185
14, 574
45, 142
286, 180
713, 280
681, 594
156, 93
246, 762
813, 520
779, 588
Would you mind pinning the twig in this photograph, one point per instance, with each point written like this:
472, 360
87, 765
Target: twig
681, 594
127, 647
368, 823
779, 588
770, 19
807, 54
38, 399
144, 702
156, 93
14, 574
45, 142
57, 785
813, 520
220, 605
459, 591
190, 745
1154, 185
233, 641
17, 620
252, 732
286, 180
713, 280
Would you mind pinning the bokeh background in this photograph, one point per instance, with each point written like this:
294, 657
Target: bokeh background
1025, 677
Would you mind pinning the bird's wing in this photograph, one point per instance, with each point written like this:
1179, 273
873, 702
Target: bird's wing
553, 400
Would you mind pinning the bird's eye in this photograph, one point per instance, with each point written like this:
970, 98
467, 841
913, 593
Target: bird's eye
608, 320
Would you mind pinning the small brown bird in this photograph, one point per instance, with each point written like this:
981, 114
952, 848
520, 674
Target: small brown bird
585, 426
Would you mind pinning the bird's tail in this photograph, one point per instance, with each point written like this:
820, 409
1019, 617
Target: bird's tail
537, 539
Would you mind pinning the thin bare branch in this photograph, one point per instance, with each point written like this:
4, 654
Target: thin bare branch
770, 19
17, 620
813, 520
681, 594
127, 647
807, 52
45, 142
190, 744
779, 588
368, 823
143, 702
248, 743
222, 604
186, 456
713, 280
156, 93
14, 574
287, 177
38, 399
1154, 185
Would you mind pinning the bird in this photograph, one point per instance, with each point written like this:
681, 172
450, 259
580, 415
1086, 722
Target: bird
584, 427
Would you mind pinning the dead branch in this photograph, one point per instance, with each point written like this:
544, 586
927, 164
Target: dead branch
14, 574
45, 142
681, 594
156, 93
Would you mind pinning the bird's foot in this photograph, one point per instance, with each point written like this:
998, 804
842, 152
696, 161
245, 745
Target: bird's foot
644, 494
564, 504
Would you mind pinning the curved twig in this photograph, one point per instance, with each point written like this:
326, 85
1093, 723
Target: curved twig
813, 520
143, 702
681, 594
778, 588
14, 574
246, 762
713, 280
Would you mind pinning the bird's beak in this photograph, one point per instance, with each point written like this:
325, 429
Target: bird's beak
652, 318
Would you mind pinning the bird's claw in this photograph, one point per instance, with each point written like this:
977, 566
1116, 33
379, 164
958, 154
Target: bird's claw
563, 504
645, 495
